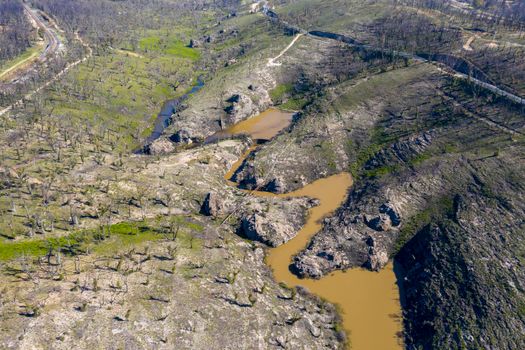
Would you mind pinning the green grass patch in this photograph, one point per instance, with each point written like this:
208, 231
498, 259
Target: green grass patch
189, 241
12, 250
32, 51
120, 235
294, 104
420, 158
280, 91
170, 46
131, 91
381, 171
126, 235
440, 208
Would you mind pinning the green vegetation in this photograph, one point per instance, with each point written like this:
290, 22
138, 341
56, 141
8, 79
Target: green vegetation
9, 251
521, 308
132, 90
438, 209
117, 236
284, 95
363, 156
294, 104
9, 65
420, 158
170, 46
381, 171
280, 91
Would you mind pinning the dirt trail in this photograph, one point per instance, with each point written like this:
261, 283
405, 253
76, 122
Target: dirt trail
43, 50
470, 40
54, 79
272, 61
28, 60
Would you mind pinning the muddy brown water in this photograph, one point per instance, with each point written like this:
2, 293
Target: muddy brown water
369, 301
261, 127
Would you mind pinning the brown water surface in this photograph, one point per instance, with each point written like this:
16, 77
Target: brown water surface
263, 126
369, 300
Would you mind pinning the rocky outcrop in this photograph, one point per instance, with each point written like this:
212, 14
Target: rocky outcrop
276, 224
377, 254
182, 136
318, 265
194, 43
260, 228
246, 176
160, 146
213, 205
366, 229
240, 107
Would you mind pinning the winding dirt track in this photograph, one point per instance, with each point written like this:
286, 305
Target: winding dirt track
53, 45
272, 61
352, 42
52, 39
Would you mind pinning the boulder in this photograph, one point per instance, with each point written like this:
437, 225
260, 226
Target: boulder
213, 205
182, 136
317, 266
257, 227
310, 266
377, 259
240, 108
160, 146
194, 43
379, 223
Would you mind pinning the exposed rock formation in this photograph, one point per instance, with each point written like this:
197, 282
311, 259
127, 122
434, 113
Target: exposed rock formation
194, 43
240, 107
213, 205
182, 136
260, 228
160, 146
275, 225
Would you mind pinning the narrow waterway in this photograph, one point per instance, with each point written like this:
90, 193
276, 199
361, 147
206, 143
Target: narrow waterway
168, 109
369, 301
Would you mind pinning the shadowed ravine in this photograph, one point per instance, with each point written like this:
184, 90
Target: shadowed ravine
369, 301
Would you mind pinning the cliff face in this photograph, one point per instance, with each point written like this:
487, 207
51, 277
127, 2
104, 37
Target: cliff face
464, 276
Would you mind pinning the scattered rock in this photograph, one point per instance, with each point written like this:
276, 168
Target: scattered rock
194, 43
